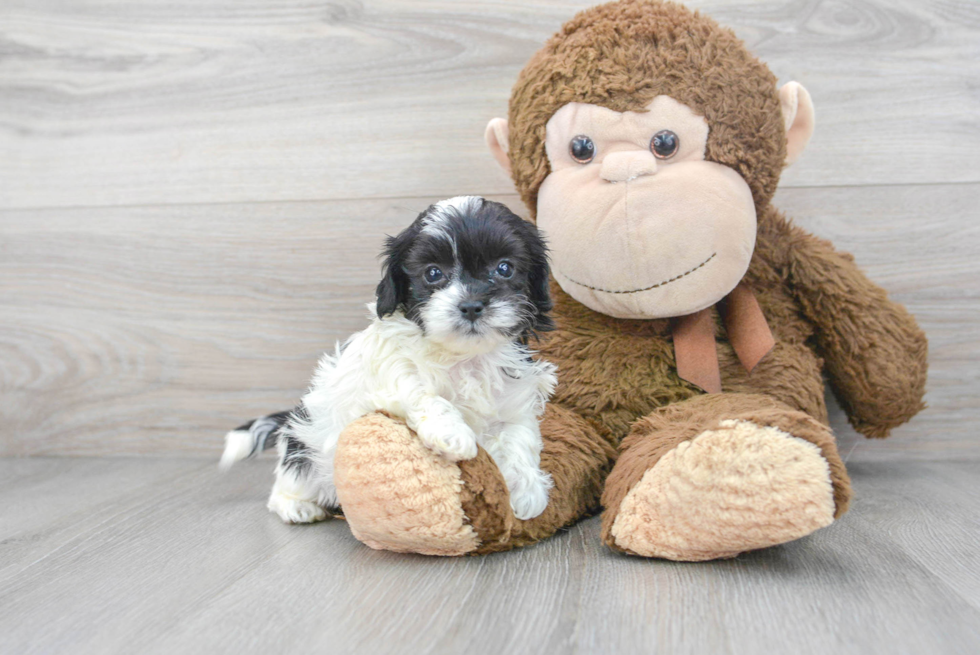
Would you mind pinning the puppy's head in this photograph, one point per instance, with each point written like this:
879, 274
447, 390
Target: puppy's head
470, 273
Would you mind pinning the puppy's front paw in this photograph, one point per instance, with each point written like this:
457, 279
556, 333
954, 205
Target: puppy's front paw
295, 510
452, 439
529, 494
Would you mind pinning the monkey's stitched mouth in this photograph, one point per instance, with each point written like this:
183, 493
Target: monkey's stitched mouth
652, 286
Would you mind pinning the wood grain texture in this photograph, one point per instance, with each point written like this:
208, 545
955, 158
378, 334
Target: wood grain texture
139, 329
181, 102
156, 329
187, 560
192, 197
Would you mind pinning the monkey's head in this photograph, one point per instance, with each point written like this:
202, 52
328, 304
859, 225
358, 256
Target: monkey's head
645, 139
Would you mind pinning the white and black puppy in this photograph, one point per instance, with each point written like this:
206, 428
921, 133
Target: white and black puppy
446, 351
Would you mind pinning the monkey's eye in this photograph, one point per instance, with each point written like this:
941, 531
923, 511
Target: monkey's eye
582, 149
664, 144
433, 274
505, 270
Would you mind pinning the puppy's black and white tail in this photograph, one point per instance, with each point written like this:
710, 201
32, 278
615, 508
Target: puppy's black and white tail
252, 438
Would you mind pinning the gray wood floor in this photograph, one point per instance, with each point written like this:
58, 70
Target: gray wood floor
192, 194
142, 555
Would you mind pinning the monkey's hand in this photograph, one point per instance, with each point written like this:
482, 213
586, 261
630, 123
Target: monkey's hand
874, 351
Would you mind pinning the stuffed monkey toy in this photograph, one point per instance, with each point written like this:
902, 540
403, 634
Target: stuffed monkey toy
695, 322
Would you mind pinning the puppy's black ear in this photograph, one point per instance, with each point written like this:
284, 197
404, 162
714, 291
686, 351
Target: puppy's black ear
539, 295
393, 289
537, 279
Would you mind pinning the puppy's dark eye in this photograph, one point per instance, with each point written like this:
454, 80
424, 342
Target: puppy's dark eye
433, 274
582, 149
665, 144
505, 269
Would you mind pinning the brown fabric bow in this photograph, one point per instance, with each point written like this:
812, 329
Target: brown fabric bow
694, 338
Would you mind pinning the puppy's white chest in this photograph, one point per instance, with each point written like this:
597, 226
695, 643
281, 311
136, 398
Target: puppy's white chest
474, 387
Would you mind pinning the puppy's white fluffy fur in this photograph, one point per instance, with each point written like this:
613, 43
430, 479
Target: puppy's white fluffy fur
454, 393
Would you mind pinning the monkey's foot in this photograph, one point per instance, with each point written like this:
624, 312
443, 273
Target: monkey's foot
398, 495
736, 487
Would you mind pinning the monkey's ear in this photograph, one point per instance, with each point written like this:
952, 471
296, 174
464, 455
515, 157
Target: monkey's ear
497, 138
798, 118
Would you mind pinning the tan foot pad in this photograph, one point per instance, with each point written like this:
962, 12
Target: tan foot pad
397, 494
738, 488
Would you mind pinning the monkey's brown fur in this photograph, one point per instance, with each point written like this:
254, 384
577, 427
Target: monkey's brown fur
824, 313
618, 377
621, 56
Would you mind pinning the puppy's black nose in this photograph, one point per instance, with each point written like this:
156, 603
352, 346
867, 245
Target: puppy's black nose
471, 310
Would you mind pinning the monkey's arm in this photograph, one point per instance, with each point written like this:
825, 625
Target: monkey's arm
874, 351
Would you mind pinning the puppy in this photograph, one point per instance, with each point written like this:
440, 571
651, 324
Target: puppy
463, 289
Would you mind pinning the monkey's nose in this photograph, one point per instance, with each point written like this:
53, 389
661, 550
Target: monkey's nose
471, 310
626, 166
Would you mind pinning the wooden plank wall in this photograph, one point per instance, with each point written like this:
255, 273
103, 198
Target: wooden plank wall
193, 193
